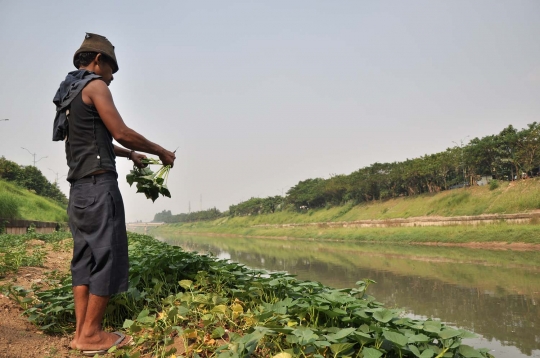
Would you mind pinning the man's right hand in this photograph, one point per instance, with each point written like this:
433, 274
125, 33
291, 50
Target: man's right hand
167, 158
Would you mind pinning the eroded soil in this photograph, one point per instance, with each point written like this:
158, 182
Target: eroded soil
18, 337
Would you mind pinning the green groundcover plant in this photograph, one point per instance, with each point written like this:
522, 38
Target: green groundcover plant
150, 183
15, 253
182, 304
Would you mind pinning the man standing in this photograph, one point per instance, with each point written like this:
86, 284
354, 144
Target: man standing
88, 120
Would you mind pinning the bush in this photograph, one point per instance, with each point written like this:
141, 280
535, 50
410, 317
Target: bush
494, 184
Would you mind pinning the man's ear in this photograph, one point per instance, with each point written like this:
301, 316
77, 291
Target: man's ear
98, 58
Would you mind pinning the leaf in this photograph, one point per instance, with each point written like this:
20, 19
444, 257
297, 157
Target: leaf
469, 352
337, 348
190, 333
420, 338
142, 314
218, 332
467, 334
207, 317
397, 338
363, 338
165, 192
340, 335
282, 355
383, 316
183, 311
432, 326
428, 353
219, 309
154, 193
130, 178
371, 353
237, 308
449, 333
305, 335
415, 350
149, 319
186, 284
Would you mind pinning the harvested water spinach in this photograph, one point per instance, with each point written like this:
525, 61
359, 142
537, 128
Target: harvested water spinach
150, 183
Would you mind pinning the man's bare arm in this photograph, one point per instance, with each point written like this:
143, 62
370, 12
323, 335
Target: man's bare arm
98, 94
121, 152
131, 155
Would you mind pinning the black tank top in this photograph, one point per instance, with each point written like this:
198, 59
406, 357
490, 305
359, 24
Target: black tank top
89, 146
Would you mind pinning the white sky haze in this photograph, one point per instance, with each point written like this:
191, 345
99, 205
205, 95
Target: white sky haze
259, 95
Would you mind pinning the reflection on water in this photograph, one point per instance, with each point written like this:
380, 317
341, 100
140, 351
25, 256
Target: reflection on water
493, 293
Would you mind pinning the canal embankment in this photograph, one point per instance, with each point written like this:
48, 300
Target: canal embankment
489, 235
506, 214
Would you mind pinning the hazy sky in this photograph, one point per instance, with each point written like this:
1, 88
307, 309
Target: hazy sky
260, 95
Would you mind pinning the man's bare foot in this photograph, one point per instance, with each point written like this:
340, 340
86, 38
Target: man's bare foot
99, 341
73, 343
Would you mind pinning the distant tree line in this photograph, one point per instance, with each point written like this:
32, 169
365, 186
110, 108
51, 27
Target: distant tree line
167, 217
32, 179
510, 155
255, 206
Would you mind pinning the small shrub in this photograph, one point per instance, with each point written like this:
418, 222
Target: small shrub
494, 184
31, 229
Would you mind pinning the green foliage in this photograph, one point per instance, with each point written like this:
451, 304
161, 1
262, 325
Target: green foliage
308, 193
197, 299
494, 184
31, 178
257, 206
14, 251
512, 154
167, 217
150, 183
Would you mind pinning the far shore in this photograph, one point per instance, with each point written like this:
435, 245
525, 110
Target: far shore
515, 246
494, 232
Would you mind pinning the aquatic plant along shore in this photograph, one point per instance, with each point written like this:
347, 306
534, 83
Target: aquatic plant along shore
192, 305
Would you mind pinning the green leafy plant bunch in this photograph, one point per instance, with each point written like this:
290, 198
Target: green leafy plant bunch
150, 183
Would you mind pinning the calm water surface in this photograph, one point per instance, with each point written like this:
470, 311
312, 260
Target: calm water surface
492, 293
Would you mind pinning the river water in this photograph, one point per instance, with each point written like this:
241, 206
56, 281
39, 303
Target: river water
494, 293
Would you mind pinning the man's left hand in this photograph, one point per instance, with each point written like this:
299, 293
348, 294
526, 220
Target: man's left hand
137, 157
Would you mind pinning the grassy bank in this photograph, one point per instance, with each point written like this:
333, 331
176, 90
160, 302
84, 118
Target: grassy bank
19, 203
190, 305
507, 198
493, 233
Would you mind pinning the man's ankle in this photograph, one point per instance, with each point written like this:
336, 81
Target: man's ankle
90, 332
